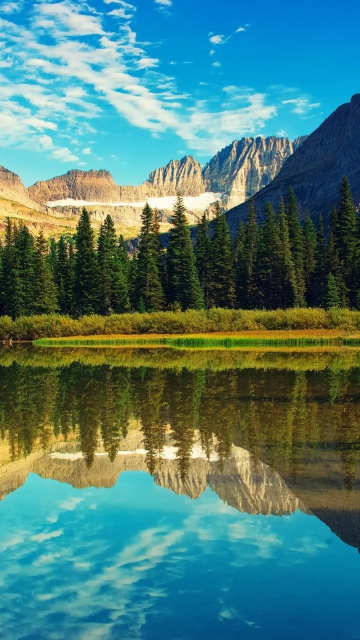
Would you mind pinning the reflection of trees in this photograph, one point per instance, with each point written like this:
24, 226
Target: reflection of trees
288, 415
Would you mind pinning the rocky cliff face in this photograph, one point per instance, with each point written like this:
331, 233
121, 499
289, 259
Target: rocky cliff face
179, 176
235, 173
246, 166
316, 167
12, 189
92, 186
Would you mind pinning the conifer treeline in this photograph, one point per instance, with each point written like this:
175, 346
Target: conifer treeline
277, 264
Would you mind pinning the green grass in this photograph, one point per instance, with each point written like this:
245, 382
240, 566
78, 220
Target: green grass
194, 324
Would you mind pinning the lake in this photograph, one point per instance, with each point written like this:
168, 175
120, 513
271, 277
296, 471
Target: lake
173, 494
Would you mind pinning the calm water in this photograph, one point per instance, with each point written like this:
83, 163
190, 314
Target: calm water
174, 495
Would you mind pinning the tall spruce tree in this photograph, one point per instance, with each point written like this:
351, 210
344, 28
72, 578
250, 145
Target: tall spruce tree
62, 277
45, 293
247, 293
202, 254
334, 262
296, 245
268, 269
183, 284
331, 296
318, 282
113, 279
310, 242
25, 249
347, 240
13, 289
287, 283
149, 286
222, 277
87, 282
240, 266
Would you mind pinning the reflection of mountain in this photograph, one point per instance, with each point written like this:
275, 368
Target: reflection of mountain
239, 484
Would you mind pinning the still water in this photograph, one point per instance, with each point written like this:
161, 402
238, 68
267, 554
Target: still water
174, 495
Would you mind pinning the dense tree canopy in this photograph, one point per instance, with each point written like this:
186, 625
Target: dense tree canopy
276, 264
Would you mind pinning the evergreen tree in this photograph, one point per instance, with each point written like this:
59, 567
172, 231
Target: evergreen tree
347, 242
86, 285
13, 290
25, 249
268, 263
202, 253
61, 275
124, 297
222, 278
182, 278
149, 287
45, 293
318, 282
240, 266
113, 280
310, 244
334, 262
331, 297
296, 245
287, 281
246, 284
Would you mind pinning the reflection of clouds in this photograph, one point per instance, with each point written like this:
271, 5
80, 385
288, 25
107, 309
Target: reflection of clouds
70, 505
42, 537
108, 573
309, 546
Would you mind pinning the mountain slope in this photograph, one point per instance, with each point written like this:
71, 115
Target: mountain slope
316, 167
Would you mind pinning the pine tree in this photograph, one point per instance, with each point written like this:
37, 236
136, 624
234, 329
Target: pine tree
87, 283
13, 290
149, 287
45, 293
240, 266
202, 253
113, 280
334, 262
25, 249
331, 298
287, 282
296, 245
63, 277
310, 243
124, 294
247, 293
222, 277
318, 282
268, 262
347, 243
182, 278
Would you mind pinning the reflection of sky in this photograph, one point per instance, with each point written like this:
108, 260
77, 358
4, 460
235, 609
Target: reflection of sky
138, 561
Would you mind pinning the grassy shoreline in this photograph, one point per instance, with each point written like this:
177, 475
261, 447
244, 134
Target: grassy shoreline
239, 339
304, 326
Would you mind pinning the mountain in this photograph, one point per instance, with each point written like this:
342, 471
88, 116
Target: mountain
246, 166
316, 167
234, 174
16, 203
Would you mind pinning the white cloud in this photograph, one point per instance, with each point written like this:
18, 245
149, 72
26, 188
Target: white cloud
42, 537
87, 151
216, 63
12, 7
301, 106
165, 3
217, 39
71, 504
147, 63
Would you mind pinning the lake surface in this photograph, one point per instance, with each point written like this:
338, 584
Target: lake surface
172, 495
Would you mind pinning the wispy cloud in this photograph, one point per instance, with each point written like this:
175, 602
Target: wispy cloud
301, 106
71, 64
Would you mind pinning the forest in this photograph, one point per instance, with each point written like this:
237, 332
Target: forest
275, 263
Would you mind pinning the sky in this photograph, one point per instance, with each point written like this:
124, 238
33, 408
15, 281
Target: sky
127, 85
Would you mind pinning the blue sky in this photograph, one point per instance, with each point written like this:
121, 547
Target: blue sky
129, 85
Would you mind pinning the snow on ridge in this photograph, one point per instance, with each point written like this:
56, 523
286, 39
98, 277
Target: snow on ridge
199, 203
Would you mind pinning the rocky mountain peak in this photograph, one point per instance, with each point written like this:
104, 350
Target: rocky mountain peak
184, 176
316, 167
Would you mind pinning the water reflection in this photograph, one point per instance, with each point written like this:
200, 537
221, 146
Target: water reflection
302, 422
